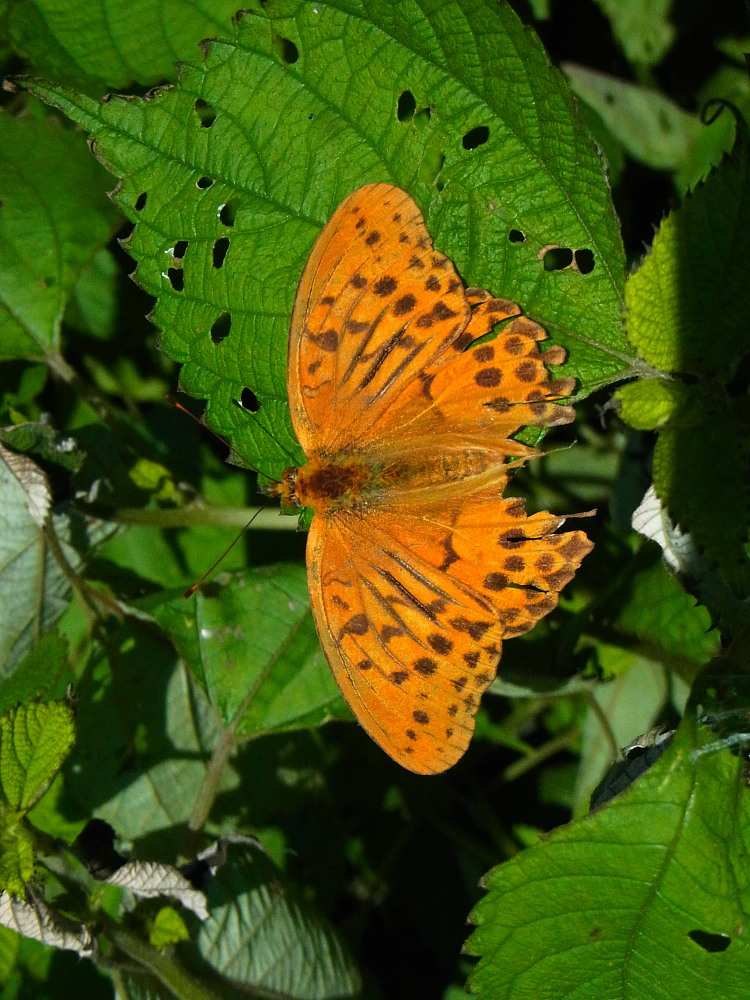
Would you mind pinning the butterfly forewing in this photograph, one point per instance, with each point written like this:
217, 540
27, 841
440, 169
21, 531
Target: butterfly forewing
375, 305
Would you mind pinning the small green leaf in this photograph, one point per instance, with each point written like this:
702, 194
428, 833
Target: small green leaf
35, 739
17, 855
687, 304
251, 644
652, 129
642, 27
55, 216
167, 928
653, 403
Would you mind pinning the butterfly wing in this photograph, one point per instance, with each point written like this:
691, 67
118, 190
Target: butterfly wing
376, 303
378, 313
412, 606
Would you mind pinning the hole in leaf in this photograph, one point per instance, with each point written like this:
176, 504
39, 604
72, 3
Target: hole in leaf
203, 183
557, 259
249, 401
180, 249
476, 137
221, 246
407, 105
285, 50
206, 114
710, 942
176, 278
585, 261
516, 236
140, 201
310, 116
220, 329
228, 212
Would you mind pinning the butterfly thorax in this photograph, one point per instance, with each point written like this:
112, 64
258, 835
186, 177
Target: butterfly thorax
344, 482
325, 483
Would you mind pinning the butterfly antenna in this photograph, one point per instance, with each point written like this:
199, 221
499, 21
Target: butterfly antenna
191, 590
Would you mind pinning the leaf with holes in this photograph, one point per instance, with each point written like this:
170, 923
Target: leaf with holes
229, 177
650, 892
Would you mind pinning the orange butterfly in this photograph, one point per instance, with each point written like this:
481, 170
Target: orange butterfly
418, 568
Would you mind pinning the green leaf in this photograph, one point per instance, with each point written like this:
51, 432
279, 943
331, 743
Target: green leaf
43, 667
259, 935
631, 703
645, 892
230, 176
55, 217
17, 855
714, 508
687, 304
642, 28
35, 739
168, 928
653, 617
34, 588
144, 740
92, 308
652, 128
251, 644
653, 403
114, 46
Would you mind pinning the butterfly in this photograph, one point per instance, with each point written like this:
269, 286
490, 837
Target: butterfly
418, 567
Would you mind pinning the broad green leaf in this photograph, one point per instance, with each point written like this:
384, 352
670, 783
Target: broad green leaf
687, 303
650, 893
144, 740
230, 176
251, 644
114, 45
92, 308
260, 936
642, 27
35, 739
55, 217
